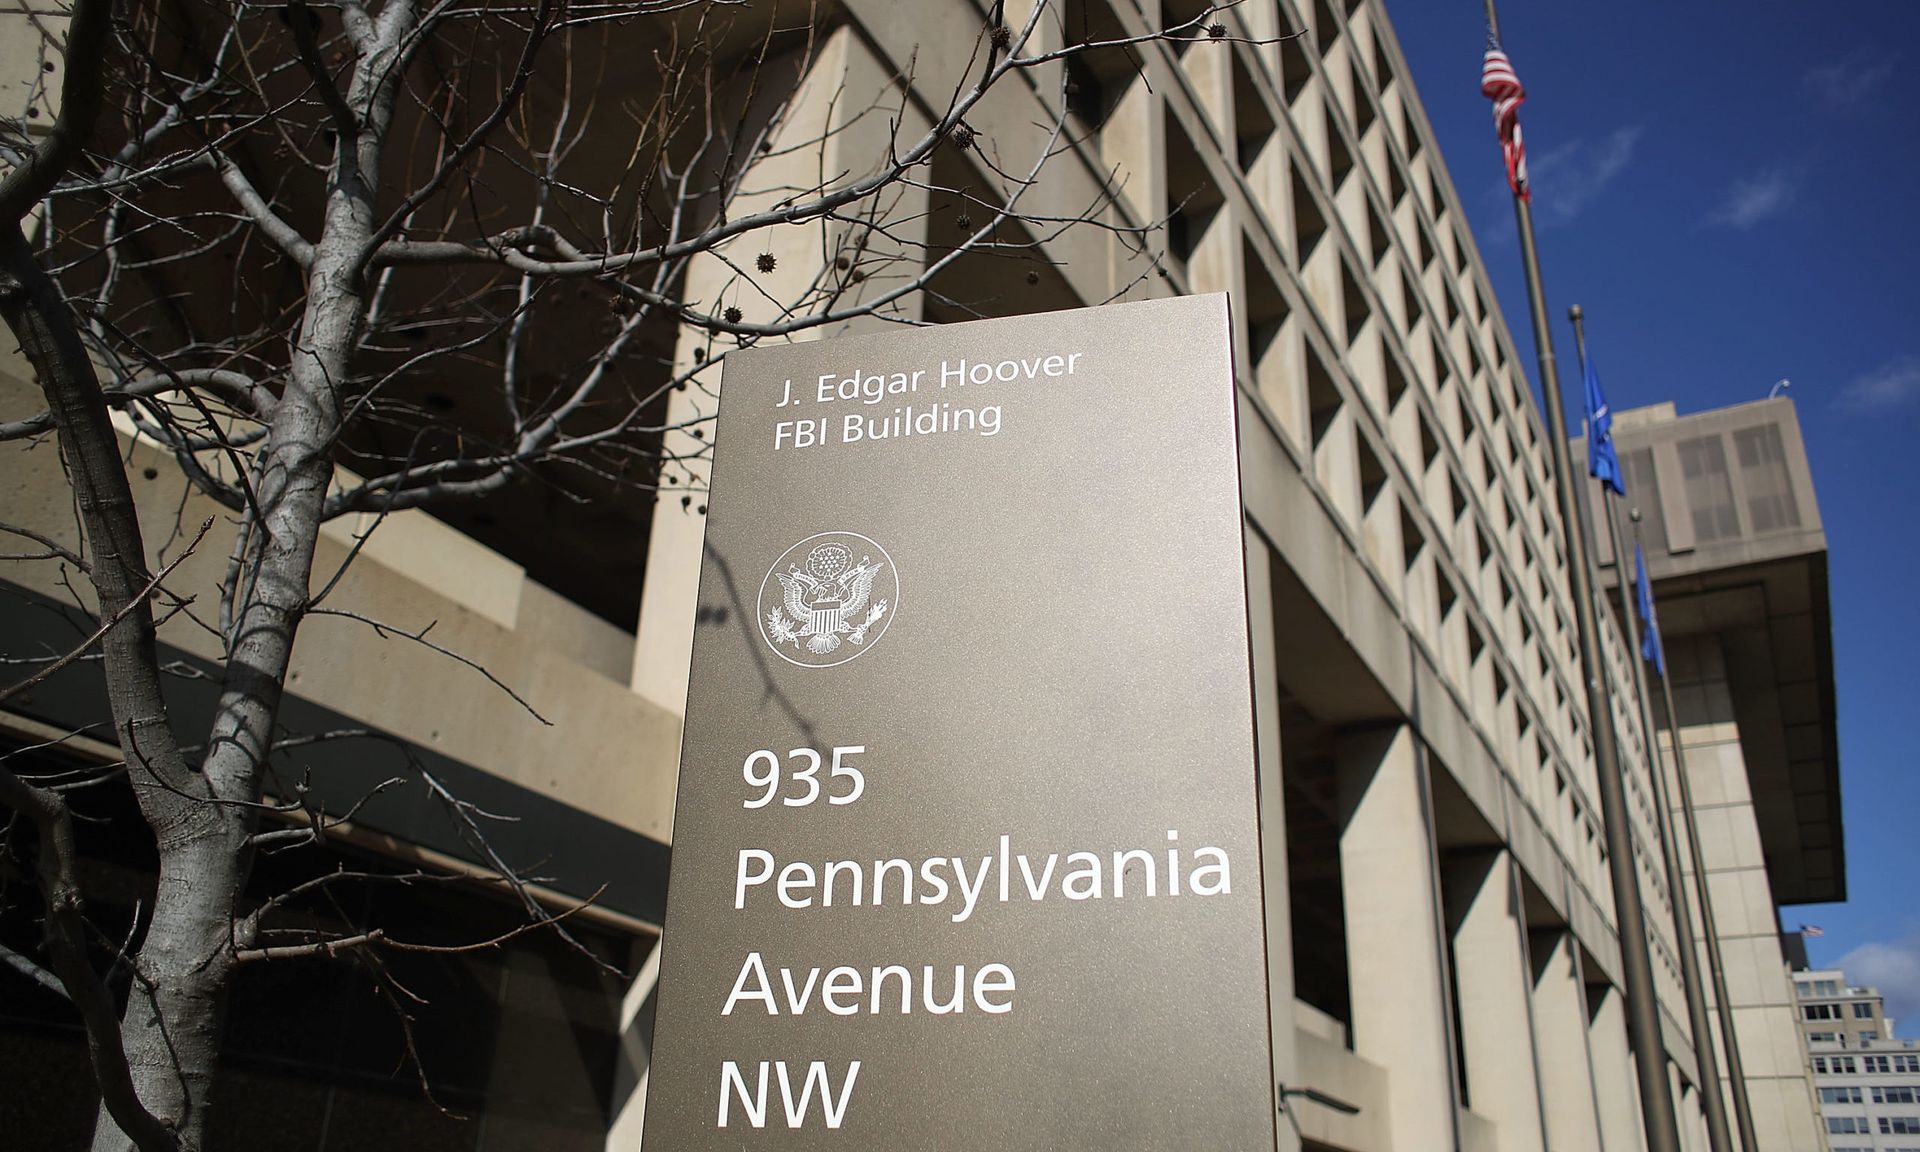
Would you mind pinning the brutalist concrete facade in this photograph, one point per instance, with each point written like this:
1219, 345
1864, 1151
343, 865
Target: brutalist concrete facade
1441, 946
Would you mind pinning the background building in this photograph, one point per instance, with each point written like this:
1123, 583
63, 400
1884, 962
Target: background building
1868, 1079
1738, 562
1443, 948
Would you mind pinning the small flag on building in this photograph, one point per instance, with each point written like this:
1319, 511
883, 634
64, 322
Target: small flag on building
1812, 930
1499, 84
1603, 463
1650, 649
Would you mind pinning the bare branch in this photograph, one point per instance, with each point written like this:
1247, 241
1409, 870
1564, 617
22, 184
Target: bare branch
387, 631
66, 943
54, 549
109, 623
81, 90
334, 945
25, 967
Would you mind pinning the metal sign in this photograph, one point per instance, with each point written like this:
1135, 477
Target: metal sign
966, 853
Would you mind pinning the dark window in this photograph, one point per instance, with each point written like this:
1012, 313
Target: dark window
1643, 491
1308, 224
1709, 490
1763, 467
1096, 80
1863, 1009
1253, 125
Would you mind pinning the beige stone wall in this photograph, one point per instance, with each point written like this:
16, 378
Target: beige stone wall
1759, 983
31, 34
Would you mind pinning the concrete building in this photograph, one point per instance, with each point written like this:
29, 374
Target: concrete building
1868, 1078
1443, 953
1738, 562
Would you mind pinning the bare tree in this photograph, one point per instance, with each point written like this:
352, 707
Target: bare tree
271, 240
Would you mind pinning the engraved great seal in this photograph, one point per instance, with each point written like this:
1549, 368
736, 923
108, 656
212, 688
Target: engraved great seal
828, 599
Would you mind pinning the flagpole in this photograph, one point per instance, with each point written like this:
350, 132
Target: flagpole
1736, 1067
1711, 1102
1636, 963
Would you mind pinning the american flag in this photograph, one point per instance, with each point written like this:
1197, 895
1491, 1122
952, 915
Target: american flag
1499, 84
1811, 930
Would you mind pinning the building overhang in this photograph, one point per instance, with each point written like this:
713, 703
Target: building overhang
1762, 597
1772, 623
566, 849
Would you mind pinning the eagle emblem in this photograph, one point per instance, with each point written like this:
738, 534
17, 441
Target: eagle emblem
826, 610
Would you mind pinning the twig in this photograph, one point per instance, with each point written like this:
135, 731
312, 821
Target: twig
107, 626
54, 548
386, 630
335, 945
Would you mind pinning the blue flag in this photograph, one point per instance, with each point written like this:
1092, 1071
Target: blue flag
1603, 464
1650, 649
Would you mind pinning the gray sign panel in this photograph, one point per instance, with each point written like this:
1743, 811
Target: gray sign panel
967, 851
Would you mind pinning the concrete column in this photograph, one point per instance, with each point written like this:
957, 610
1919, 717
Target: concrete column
635, 1057
1567, 1087
1133, 144
1273, 822
1615, 1084
841, 123
1759, 988
1490, 972
1396, 966
1686, 1108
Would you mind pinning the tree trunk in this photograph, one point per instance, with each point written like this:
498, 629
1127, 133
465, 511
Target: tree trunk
171, 797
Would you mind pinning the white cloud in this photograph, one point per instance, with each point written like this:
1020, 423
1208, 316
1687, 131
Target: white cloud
1571, 176
1850, 80
1755, 199
1892, 968
1892, 384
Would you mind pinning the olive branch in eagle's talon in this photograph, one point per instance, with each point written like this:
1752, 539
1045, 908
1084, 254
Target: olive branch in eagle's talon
860, 634
778, 627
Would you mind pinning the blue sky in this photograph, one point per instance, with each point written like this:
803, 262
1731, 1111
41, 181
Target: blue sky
1733, 195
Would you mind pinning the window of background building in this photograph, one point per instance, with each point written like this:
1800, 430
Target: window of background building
1896, 1094
1906, 1063
1877, 1064
1823, 1037
1900, 1125
1645, 493
1848, 1125
1863, 1009
1763, 468
1845, 1095
1821, 1012
1703, 462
